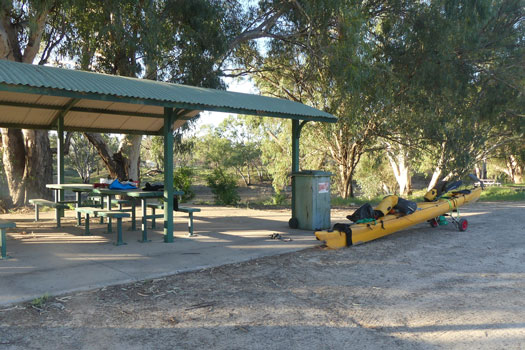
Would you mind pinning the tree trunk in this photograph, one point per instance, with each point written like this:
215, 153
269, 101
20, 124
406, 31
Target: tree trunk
477, 170
27, 155
108, 157
123, 164
399, 162
14, 155
484, 169
439, 167
243, 177
28, 163
514, 169
39, 160
129, 149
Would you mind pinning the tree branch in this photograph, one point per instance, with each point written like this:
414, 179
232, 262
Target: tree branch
35, 37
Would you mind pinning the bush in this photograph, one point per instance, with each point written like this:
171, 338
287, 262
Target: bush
224, 187
374, 176
182, 180
279, 198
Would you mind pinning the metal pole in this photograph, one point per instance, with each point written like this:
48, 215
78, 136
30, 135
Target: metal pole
60, 161
168, 174
295, 159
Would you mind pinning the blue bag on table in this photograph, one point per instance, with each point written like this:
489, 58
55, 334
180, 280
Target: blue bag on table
116, 185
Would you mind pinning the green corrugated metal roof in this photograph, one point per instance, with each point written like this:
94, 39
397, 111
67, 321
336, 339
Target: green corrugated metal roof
51, 81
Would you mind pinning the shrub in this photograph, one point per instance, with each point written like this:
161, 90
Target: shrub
224, 187
279, 198
182, 180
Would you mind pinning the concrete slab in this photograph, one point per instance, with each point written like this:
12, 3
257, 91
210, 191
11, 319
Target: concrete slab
46, 260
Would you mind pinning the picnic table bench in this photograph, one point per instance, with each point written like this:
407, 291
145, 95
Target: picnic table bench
46, 203
87, 211
188, 210
98, 199
4, 224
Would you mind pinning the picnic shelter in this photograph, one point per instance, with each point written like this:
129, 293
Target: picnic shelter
50, 98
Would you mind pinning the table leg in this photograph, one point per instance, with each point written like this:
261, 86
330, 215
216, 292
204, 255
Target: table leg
108, 207
144, 222
3, 245
79, 204
101, 207
133, 215
57, 209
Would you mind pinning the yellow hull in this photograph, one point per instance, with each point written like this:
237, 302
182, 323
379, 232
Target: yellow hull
361, 233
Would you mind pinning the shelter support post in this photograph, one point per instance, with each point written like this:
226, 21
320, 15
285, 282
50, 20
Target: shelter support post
60, 161
169, 118
296, 134
59, 121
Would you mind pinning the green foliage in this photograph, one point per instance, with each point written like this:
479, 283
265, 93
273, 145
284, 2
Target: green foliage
178, 41
156, 151
374, 176
83, 156
224, 187
279, 198
503, 193
40, 301
230, 146
182, 180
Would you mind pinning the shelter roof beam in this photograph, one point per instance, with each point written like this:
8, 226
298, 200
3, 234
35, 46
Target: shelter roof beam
82, 129
79, 109
62, 113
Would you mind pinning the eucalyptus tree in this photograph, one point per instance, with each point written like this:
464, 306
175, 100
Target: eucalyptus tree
188, 42
328, 61
457, 67
177, 41
27, 156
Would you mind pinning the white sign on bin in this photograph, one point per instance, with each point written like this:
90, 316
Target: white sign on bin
323, 187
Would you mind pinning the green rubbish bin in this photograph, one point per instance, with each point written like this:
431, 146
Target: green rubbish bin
311, 208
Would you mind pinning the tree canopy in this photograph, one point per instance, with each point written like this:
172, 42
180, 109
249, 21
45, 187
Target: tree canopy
432, 86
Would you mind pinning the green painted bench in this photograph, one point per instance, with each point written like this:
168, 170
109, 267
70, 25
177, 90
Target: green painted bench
37, 202
188, 210
120, 203
3, 239
87, 211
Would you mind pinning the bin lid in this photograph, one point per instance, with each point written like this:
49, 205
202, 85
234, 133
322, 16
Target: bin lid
312, 173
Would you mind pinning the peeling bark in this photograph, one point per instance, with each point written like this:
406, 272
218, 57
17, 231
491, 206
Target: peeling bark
398, 159
26, 154
38, 164
439, 168
514, 169
130, 147
14, 154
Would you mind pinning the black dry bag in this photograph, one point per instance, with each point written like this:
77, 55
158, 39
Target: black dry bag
405, 206
363, 212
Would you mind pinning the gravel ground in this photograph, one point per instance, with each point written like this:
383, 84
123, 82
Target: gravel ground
421, 288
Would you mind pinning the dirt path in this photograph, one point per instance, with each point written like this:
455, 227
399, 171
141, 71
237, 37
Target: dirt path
418, 289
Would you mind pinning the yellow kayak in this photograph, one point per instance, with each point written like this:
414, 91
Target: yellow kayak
426, 211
